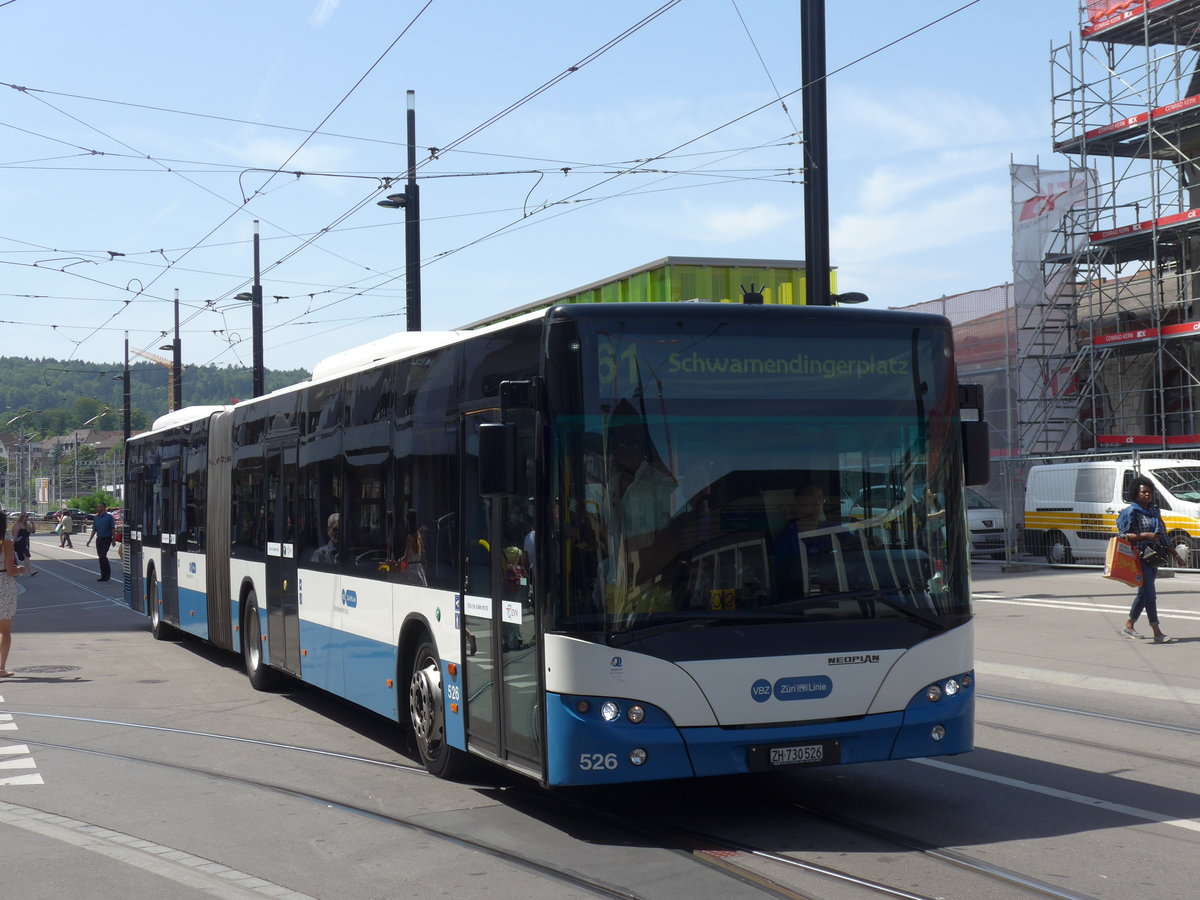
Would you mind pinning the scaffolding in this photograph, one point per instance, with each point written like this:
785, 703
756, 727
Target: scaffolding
1117, 341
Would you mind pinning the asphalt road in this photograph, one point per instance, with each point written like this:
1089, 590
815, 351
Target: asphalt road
140, 768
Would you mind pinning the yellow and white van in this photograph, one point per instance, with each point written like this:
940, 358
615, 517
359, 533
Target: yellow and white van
1071, 508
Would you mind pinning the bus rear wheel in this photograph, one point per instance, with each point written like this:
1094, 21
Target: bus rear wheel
159, 629
262, 677
427, 714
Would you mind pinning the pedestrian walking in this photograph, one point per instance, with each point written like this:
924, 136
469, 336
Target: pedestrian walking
9, 570
1141, 523
22, 531
66, 527
103, 526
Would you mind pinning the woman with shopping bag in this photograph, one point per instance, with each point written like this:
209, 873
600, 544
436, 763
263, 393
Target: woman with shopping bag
1142, 525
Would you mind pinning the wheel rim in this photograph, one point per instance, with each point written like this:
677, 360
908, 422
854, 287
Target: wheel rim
1058, 549
253, 639
152, 602
424, 708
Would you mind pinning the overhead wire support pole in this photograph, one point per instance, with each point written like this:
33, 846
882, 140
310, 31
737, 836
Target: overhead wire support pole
177, 359
127, 412
412, 226
256, 320
816, 153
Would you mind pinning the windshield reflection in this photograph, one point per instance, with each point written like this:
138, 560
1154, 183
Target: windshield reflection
710, 520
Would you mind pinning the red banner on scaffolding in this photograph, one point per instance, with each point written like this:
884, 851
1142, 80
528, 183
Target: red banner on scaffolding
1180, 329
1160, 222
1172, 440
1140, 118
1103, 14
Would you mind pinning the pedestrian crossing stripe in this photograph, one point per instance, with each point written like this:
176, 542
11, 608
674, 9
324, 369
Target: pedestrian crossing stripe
22, 779
14, 750
26, 763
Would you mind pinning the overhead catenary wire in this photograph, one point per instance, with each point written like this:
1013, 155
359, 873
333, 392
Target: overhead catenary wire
573, 203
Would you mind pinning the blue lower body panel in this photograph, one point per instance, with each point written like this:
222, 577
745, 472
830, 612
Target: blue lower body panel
586, 749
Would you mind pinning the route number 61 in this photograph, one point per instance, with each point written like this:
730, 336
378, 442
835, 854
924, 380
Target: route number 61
596, 761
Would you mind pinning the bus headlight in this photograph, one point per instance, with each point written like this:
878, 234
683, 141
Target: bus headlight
609, 711
937, 733
637, 756
636, 713
934, 693
952, 687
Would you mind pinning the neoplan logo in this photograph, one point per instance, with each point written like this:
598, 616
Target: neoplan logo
854, 659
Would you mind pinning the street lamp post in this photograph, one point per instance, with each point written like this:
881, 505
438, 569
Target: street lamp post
410, 199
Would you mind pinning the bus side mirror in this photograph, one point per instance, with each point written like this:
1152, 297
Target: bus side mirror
497, 459
976, 453
975, 446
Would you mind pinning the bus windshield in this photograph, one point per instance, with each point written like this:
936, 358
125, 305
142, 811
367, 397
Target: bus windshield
720, 478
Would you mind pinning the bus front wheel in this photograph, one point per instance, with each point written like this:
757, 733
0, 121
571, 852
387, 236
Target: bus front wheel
427, 714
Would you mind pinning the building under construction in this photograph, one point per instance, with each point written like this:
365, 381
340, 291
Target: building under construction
1107, 336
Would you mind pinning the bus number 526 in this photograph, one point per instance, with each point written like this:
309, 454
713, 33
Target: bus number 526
590, 761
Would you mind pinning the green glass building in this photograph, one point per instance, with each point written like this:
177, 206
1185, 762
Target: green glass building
678, 279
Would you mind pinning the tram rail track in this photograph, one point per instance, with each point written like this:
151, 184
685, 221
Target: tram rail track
773, 872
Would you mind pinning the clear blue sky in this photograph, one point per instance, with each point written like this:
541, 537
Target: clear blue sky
150, 129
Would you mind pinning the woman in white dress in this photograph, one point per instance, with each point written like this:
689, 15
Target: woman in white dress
8, 595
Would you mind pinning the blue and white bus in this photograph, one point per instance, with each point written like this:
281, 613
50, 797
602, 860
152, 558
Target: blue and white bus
597, 543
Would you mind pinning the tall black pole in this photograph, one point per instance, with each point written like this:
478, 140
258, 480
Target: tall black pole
177, 359
412, 225
126, 423
256, 321
816, 153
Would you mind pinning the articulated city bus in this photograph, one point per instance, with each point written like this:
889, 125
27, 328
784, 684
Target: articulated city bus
593, 544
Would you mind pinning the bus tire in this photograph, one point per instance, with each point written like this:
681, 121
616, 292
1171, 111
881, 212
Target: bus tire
159, 629
1058, 551
427, 714
262, 677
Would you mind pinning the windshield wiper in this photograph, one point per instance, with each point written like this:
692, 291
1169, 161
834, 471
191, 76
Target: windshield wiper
873, 594
911, 612
629, 635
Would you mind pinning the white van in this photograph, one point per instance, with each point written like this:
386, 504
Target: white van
1071, 508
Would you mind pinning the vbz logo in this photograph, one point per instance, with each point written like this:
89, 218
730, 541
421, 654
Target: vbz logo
350, 599
761, 690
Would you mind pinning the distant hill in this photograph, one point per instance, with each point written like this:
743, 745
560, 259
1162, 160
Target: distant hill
62, 392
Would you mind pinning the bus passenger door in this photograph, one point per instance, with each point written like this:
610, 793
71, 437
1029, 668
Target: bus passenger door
501, 651
170, 513
283, 608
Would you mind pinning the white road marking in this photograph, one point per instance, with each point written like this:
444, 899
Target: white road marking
1135, 812
1083, 606
200, 874
1090, 682
15, 750
21, 779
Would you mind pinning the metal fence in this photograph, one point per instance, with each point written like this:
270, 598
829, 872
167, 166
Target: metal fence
1062, 510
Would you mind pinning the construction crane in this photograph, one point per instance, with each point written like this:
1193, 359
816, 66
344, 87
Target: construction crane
166, 364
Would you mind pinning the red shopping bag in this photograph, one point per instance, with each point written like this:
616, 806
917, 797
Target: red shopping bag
1121, 562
